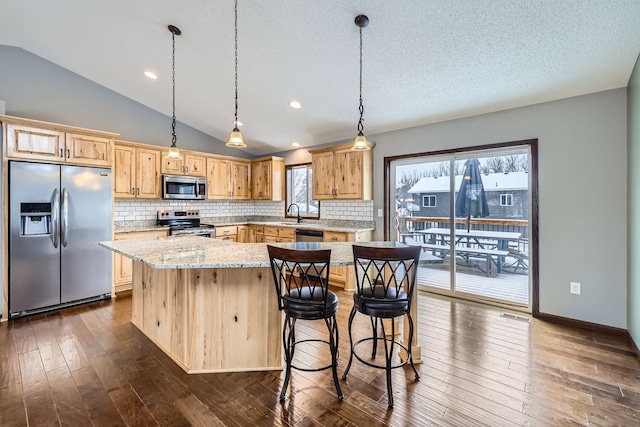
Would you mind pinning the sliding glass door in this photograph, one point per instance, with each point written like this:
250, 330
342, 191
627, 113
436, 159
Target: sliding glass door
470, 213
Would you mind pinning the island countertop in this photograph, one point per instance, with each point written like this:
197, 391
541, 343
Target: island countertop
199, 252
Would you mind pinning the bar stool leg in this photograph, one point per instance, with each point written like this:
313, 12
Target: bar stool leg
374, 327
411, 345
332, 325
388, 353
346, 371
289, 343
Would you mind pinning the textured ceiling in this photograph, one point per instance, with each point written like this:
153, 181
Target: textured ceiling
424, 60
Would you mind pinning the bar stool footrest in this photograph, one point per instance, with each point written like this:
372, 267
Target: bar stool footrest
385, 341
322, 368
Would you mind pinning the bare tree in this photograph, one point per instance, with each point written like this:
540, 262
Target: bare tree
496, 164
512, 163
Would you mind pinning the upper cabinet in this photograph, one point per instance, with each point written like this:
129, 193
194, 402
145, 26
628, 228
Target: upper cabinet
136, 171
342, 174
228, 179
48, 142
191, 164
267, 179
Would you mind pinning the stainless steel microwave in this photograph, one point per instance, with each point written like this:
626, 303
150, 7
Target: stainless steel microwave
184, 187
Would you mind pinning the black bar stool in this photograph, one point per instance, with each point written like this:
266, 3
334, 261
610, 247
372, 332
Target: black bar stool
385, 279
302, 285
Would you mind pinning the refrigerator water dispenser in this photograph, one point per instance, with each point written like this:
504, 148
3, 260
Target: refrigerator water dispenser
35, 219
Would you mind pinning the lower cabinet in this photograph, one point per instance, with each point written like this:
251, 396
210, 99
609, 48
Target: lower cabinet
344, 276
227, 232
267, 234
122, 277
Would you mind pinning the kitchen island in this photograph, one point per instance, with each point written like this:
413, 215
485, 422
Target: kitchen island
210, 304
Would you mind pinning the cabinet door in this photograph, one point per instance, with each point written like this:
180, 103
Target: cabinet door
195, 165
260, 180
88, 150
243, 234
218, 173
251, 235
148, 174
31, 143
348, 174
171, 166
336, 274
123, 266
240, 176
124, 172
322, 178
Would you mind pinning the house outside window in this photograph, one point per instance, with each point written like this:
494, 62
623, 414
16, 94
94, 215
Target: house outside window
506, 199
299, 190
429, 201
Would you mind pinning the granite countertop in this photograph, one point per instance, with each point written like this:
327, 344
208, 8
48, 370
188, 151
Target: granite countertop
198, 252
136, 226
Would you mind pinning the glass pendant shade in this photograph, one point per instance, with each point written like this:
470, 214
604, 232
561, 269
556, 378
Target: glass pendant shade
173, 154
236, 140
360, 143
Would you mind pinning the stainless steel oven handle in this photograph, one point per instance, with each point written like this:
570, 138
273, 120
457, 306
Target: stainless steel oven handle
65, 216
55, 218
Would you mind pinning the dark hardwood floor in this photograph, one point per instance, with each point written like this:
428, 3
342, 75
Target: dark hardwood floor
89, 366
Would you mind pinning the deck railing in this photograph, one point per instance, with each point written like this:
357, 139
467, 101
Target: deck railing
410, 224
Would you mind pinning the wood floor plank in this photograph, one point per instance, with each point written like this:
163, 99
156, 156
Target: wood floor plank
68, 402
101, 409
37, 397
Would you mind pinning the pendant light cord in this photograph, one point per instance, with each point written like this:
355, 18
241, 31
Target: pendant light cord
361, 107
235, 123
173, 82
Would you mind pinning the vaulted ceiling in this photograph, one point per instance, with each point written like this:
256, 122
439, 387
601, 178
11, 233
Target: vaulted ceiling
424, 60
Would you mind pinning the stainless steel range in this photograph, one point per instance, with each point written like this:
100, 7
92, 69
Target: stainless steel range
185, 222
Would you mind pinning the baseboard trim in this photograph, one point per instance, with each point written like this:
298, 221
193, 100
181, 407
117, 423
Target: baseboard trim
583, 324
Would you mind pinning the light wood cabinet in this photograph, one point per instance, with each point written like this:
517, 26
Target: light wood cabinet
136, 171
228, 179
267, 179
57, 146
342, 174
122, 266
243, 234
228, 232
191, 164
270, 234
344, 275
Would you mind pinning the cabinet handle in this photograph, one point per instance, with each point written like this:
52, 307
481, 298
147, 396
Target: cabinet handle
61, 152
133, 191
334, 238
68, 153
138, 191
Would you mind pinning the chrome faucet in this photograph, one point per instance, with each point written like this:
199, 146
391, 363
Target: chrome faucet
298, 209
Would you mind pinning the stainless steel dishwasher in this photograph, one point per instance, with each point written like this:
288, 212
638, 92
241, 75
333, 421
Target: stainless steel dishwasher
309, 235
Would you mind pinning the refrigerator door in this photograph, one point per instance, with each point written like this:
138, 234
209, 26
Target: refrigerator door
34, 262
85, 220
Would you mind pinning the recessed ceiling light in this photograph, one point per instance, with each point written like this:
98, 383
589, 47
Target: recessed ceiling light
295, 104
151, 75
295, 144
237, 123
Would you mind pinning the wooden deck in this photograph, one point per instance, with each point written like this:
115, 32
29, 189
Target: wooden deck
507, 287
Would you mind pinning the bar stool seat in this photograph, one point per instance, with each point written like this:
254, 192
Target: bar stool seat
301, 278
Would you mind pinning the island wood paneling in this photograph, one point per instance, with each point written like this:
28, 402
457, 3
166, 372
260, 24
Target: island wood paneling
210, 320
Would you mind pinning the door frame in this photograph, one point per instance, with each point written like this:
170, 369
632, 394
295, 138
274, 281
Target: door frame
533, 225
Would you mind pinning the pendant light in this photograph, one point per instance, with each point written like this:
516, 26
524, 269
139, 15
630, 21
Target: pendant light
235, 139
174, 153
360, 142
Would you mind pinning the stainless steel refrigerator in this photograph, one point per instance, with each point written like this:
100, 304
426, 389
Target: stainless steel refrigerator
57, 216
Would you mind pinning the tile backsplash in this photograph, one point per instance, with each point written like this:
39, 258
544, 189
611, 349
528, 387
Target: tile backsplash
136, 210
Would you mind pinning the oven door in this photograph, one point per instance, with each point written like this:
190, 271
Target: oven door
183, 187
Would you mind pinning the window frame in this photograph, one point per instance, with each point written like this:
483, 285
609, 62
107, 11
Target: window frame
287, 193
506, 196
429, 205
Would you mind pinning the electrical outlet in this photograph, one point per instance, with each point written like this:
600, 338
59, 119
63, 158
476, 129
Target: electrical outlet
380, 213
575, 288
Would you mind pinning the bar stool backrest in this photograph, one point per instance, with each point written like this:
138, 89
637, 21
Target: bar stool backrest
392, 269
301, 277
